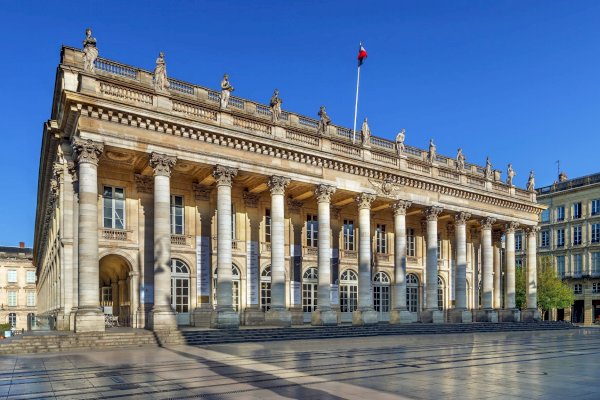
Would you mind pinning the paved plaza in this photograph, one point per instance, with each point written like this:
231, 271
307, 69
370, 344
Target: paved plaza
524, 365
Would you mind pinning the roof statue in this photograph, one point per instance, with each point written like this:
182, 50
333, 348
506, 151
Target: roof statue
226, 90
90, 51
460, 160
432, 152
487, 172
366, 133
510, 174
531, 182
160, 73
275, 104
324, 121
400, 142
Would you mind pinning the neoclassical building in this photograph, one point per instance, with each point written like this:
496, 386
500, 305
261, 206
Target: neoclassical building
165, 203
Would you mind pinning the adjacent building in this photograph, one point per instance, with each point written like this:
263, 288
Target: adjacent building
163, 203
17, 286
570, 235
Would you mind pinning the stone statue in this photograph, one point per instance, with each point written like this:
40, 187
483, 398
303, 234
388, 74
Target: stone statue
226, 90
510, 174
275, 105
400, 142
488, 169
160, 73
90, 51
431, 154
531, 182
324, 121
366, 133
460, 160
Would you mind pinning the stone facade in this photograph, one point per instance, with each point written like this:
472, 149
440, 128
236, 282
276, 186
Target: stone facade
17, 287
166, 208
570, 234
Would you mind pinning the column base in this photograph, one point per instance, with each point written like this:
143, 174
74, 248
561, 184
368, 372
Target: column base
224, 319
162, 319
201, 317
531, 315
433, 316
402, 317
364, 317
324, 318
486, 316
513, 315
62, 320
457, 316
278, 318
72, 315
89, 320
297, 316
254, 316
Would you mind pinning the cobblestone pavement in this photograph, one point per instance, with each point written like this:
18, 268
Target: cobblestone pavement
523, 365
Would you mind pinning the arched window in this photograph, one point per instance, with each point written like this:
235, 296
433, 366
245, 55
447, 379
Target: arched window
235, 287
180, 287
440, 292
348, 291
381, 294
310, 282
12, 320
265, 288
412, 293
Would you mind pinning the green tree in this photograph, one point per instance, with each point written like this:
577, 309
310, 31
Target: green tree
520, 290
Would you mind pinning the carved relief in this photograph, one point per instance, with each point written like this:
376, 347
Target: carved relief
387, 187
251, 200
401, 206
162, 163
277, 184
294, 206
431, 213
224, 175
532, 230
87, 151
143, 183
487, 223
364, 200
461, 218
335, 212
201, 192
323, 193
511, 227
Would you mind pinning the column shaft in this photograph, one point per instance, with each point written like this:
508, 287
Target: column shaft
224, 262
510, 302
324, 261
365, 301
497, 275
431, 267
488, 263
461, 261
531, 269
162, 242
399, 295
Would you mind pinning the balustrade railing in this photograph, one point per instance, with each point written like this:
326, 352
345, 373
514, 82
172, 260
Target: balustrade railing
179, 86
180, 240
310, 251
115, 234
383, 143
115, 68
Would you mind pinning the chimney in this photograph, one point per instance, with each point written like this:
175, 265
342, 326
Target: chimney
21, 245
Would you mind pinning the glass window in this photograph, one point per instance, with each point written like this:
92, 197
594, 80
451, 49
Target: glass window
177, 215
381, 293
412, 293
114, 207
577, 264
545, 242
312, 230
519, 262
309, 290
106, 295
560, 213
577, 288
410, 242
12, 298
560, 266
381, 239
560, 237
30, 299
440, 294
439, 247
519, 242
12, 319
268, 225
180, 286
348, 291
577, 235
595, 233
30, 276
233, 235
596, 207
349, 234
596, 262
576, 210
265, 289
595, 287
545, 217
12, 276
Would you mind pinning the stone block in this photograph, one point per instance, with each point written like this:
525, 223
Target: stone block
297, 316
278, 318
324, 318
433, 316
162, 320
460, 316
89, 320
364, 317
253, 316
509, 315
486, 316
530, 315
402, 317
221, 319
201, 317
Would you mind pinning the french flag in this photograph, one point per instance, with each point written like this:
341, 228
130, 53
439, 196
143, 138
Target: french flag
362, 54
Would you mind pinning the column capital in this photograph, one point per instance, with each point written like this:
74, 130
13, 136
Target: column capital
72, 169
532, 230
277, 184
224, 175
431, 213
250, 200
201, 192
87, 151
364, 200
143, 183
400, 207
294, 206
323, 193
487, 222
162, 163
461, 218
511, 227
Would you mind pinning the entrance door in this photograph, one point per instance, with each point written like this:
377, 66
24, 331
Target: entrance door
381, 296
180, 291
235, 289
309, 293
348, 294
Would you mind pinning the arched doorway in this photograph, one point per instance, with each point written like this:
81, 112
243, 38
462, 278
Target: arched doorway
180, 291
235, 288
412, 293
31, 321
310, 283
440, 294
265, 288
348, 294
381, 295
115, 288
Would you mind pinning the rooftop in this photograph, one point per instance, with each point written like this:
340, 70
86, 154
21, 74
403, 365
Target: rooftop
16, 252
569, 184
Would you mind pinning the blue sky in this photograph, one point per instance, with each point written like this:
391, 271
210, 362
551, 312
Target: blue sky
515, 80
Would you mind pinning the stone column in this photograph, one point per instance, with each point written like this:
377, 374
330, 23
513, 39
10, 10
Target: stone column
324, 315
531, 313
497, 242
487, 314
510, 312
134, 296
400, 313
365, 314
122, 299
224, 316
89, 317
431, 313
278, 314
461, 313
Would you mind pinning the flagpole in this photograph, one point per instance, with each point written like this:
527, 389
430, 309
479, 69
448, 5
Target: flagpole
356, 106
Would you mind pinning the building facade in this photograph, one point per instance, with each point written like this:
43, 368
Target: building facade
17, 287
166, 203
570, 235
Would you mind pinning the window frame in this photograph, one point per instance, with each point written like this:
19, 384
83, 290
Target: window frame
12, 298
9, 274
267, 225
380, 239
577, 212
174, 207
577, 235
560, 237
29, 274
595, 233
560, 213
411, 248
30, 299
595, 207
348, 235
545, 238
113, 202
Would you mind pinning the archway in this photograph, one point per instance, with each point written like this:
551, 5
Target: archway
235, 288
348, 294
412, 293
310, 282
115, 288
381, 295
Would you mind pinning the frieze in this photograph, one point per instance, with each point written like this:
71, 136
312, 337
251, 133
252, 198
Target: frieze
144, 183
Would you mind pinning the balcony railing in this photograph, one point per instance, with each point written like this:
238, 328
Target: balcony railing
310, 251
265, 247
352, 254
180, 240
115, 234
